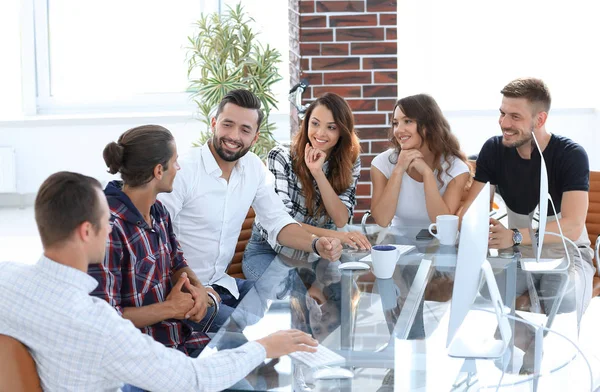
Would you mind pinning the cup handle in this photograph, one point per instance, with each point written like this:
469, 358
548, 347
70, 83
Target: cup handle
431, 232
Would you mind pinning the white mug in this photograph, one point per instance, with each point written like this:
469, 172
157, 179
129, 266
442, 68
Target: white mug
447, 229
384, 259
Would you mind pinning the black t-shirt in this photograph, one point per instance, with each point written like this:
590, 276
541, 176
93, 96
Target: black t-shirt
518, 179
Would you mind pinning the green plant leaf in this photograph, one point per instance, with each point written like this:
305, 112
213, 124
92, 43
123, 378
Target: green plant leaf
223, 54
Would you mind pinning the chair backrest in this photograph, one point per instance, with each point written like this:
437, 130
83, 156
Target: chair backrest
235, 267
592, 220
17, 368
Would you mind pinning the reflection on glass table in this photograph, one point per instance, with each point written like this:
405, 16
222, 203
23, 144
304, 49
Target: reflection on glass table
392, 332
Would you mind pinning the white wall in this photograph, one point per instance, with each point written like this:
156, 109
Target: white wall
47, 146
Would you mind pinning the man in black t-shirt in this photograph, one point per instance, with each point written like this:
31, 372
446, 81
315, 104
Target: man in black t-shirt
511, 163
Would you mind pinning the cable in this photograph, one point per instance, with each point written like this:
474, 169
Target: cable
501, 378
568, 259
546, 329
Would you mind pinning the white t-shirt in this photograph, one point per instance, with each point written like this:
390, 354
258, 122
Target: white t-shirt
411, 209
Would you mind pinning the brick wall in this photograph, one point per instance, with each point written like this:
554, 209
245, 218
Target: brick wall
349, 48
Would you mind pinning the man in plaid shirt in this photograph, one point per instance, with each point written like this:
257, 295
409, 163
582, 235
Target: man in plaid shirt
144, 275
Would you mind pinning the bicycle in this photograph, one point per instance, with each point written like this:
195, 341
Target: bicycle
295, 97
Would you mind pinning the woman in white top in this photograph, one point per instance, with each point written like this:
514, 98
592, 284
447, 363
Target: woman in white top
425, 172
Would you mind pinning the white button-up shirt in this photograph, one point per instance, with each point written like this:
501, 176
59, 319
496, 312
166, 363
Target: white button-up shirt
79, 343
208, 212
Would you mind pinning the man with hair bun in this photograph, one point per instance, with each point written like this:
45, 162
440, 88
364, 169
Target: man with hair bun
145, 276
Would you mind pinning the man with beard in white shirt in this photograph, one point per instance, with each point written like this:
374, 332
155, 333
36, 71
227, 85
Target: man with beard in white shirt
215, 188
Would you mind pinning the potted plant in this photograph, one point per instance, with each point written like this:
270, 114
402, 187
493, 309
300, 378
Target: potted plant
224, 54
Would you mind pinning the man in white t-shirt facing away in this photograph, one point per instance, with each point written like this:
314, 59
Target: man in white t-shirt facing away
215, 188
78, 341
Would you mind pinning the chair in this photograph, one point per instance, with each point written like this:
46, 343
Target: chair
17, 368
235, 266
592, 223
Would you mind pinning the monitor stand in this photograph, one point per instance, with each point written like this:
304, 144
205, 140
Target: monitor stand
544, 265
472, 349
488, 349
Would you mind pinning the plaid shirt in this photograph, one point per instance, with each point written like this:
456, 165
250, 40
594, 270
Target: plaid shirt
140, 261
289, 188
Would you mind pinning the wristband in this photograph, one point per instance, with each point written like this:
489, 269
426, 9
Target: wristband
314, 245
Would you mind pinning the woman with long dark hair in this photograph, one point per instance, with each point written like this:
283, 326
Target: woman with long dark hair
315, 178
424, 174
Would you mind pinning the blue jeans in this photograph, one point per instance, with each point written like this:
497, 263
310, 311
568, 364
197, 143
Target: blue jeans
228, 304
257, 256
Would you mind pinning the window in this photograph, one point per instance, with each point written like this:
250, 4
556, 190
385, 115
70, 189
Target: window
463, 52
113, 54
129, 55
80, 57
10, 66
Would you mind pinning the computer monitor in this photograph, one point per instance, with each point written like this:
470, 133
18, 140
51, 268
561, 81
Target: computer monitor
470, 263
538, 264
543, 206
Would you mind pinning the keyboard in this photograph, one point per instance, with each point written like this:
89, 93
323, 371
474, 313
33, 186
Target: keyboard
402, 249
322, 357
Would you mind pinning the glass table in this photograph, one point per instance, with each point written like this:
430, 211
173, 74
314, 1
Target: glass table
393, 332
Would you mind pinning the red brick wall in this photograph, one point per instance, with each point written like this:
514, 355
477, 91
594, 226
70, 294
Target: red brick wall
349, 48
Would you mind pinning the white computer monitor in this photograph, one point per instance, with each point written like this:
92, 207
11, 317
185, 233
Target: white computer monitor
543, 206
470, 263
539, 264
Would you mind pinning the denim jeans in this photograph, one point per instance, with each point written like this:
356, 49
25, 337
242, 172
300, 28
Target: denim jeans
257, 256
228, 304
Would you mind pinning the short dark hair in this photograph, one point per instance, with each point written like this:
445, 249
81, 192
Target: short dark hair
532, 89
137, 152
63, 202
245, 99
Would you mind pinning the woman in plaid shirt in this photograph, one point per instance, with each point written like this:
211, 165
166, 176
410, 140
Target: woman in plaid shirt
316, 180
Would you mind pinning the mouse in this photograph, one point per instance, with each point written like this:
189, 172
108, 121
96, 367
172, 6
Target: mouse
332, 373
354, 265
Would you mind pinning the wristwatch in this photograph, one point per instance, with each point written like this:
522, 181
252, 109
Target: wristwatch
517, 237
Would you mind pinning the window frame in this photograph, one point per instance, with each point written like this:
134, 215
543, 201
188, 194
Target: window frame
36, 75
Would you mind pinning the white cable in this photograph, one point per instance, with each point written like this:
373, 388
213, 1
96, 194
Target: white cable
501, 378
562, 236
568, 240
569, 259
547, 330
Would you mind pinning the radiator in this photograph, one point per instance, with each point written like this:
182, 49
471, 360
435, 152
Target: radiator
8, 170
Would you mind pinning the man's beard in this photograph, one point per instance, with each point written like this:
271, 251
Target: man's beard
226, 156
520, 142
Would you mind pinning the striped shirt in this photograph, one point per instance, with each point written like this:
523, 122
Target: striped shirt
289, 189
138, 266
79, 343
